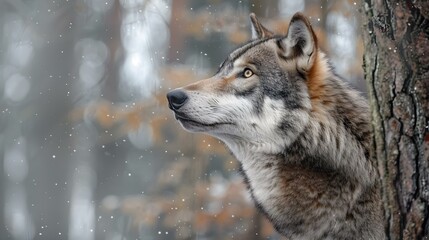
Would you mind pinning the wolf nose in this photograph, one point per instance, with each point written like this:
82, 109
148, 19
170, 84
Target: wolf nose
176, 99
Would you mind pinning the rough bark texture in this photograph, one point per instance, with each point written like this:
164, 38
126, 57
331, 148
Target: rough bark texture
396, 64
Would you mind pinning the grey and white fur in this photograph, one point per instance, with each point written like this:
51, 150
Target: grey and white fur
300, 133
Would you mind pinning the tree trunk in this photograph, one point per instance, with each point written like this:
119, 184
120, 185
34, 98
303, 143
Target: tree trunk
396, 64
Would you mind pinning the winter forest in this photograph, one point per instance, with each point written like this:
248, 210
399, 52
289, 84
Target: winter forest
88, 146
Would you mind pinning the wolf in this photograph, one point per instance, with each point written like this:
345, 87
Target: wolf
299, 132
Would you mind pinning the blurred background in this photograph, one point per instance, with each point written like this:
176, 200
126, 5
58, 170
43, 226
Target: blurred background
88, 147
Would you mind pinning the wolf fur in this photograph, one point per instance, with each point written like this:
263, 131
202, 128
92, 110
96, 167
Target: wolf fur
300, 133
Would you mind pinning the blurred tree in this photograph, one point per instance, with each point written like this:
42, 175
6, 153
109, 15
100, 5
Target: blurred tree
264, 8
396, 35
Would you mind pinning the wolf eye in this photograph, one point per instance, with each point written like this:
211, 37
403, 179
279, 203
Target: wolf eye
247, 73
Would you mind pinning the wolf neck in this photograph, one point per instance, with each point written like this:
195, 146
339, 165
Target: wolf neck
263, 177
338, 129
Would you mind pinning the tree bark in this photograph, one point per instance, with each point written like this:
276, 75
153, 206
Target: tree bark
396, 64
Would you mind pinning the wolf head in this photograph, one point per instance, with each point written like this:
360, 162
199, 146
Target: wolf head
260, 96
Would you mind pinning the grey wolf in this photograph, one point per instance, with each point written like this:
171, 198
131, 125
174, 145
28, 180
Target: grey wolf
300, 133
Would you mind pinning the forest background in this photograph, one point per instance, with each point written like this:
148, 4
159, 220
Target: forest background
88, 147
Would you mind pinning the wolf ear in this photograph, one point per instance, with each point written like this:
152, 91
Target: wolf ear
258, 30
300, 43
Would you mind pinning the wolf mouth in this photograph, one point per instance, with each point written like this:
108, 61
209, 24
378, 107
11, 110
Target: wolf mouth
184, 119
